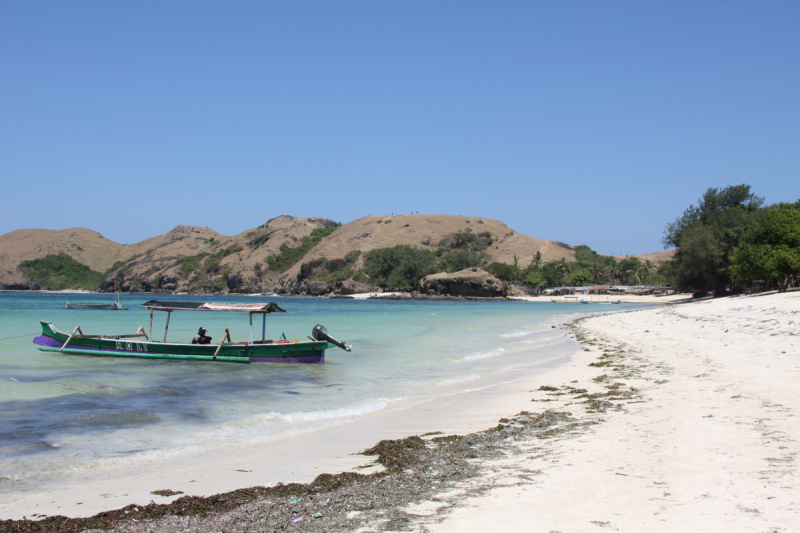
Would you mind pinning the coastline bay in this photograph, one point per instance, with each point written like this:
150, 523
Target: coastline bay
69, 418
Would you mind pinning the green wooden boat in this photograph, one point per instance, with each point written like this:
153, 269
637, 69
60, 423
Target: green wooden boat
142, 345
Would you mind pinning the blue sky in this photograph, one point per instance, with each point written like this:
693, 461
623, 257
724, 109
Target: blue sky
585, 122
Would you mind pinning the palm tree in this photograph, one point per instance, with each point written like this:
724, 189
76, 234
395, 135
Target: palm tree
635, 275
564, 269
537, 260
614, 272
648, 268
597, 273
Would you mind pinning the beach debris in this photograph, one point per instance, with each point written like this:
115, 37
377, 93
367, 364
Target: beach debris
316, 515
296, 500
165, 492
298, 519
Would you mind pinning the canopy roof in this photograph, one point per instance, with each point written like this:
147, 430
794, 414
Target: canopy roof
270, 307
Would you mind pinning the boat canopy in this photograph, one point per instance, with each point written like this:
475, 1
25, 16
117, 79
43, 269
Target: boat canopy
159, 305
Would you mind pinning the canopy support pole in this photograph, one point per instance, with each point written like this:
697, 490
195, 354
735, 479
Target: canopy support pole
263, 327
251, 328
150, 336
166, 328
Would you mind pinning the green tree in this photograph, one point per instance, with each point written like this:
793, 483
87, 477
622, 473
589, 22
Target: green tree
564, 269
579, 278
545, 277
771, 249
614, 273
536, 262
57, 272
596, 273
503, 271
706, 235
648, 269
460, 259
400, 267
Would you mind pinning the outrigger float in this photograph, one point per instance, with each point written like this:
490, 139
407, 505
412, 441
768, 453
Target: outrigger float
142, 345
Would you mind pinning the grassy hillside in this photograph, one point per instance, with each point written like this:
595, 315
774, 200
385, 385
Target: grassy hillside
58, 272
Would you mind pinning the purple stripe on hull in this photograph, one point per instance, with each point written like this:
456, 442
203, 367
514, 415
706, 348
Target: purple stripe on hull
302, 359
43, 340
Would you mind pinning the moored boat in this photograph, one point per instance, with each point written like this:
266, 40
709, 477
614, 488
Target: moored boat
113, 306
142, 345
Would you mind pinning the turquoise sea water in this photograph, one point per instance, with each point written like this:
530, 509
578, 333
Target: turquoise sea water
59, 413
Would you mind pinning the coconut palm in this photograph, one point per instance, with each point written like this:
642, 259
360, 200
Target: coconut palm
614, 272
564, 269
537, 260
596, 273
648, 269
635, 275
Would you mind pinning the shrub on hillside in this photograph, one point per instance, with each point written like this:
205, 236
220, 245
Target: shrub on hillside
58, 272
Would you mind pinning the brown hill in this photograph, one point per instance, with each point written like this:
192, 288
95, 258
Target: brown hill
84, 245
655, 257
430, 232
158, 263
268, 258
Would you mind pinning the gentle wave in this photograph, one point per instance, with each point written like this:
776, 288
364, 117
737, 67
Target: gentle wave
483, 355
458, 379
330, 414
517, 334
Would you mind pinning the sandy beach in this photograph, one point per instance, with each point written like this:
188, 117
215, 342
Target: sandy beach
707, 441
673, 418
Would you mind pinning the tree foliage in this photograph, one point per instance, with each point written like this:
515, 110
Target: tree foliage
706, 235
58, 272
289, 256
400, 267
771, 249
503, 271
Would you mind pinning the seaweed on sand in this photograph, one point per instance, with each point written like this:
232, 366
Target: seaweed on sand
415, 469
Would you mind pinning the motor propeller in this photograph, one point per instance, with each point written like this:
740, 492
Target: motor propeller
321, 334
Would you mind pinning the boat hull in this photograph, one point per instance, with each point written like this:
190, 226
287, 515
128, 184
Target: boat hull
106, 307
52, 340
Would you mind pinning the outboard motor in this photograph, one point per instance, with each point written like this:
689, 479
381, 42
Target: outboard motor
321, 334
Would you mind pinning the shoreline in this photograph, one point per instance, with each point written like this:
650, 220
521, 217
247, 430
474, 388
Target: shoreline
290, 458
641, 378
403, 296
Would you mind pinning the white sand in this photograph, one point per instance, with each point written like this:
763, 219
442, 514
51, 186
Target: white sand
712, 445
605, 298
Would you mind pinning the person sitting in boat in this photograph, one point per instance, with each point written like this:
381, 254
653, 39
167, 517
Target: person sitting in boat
201, 337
